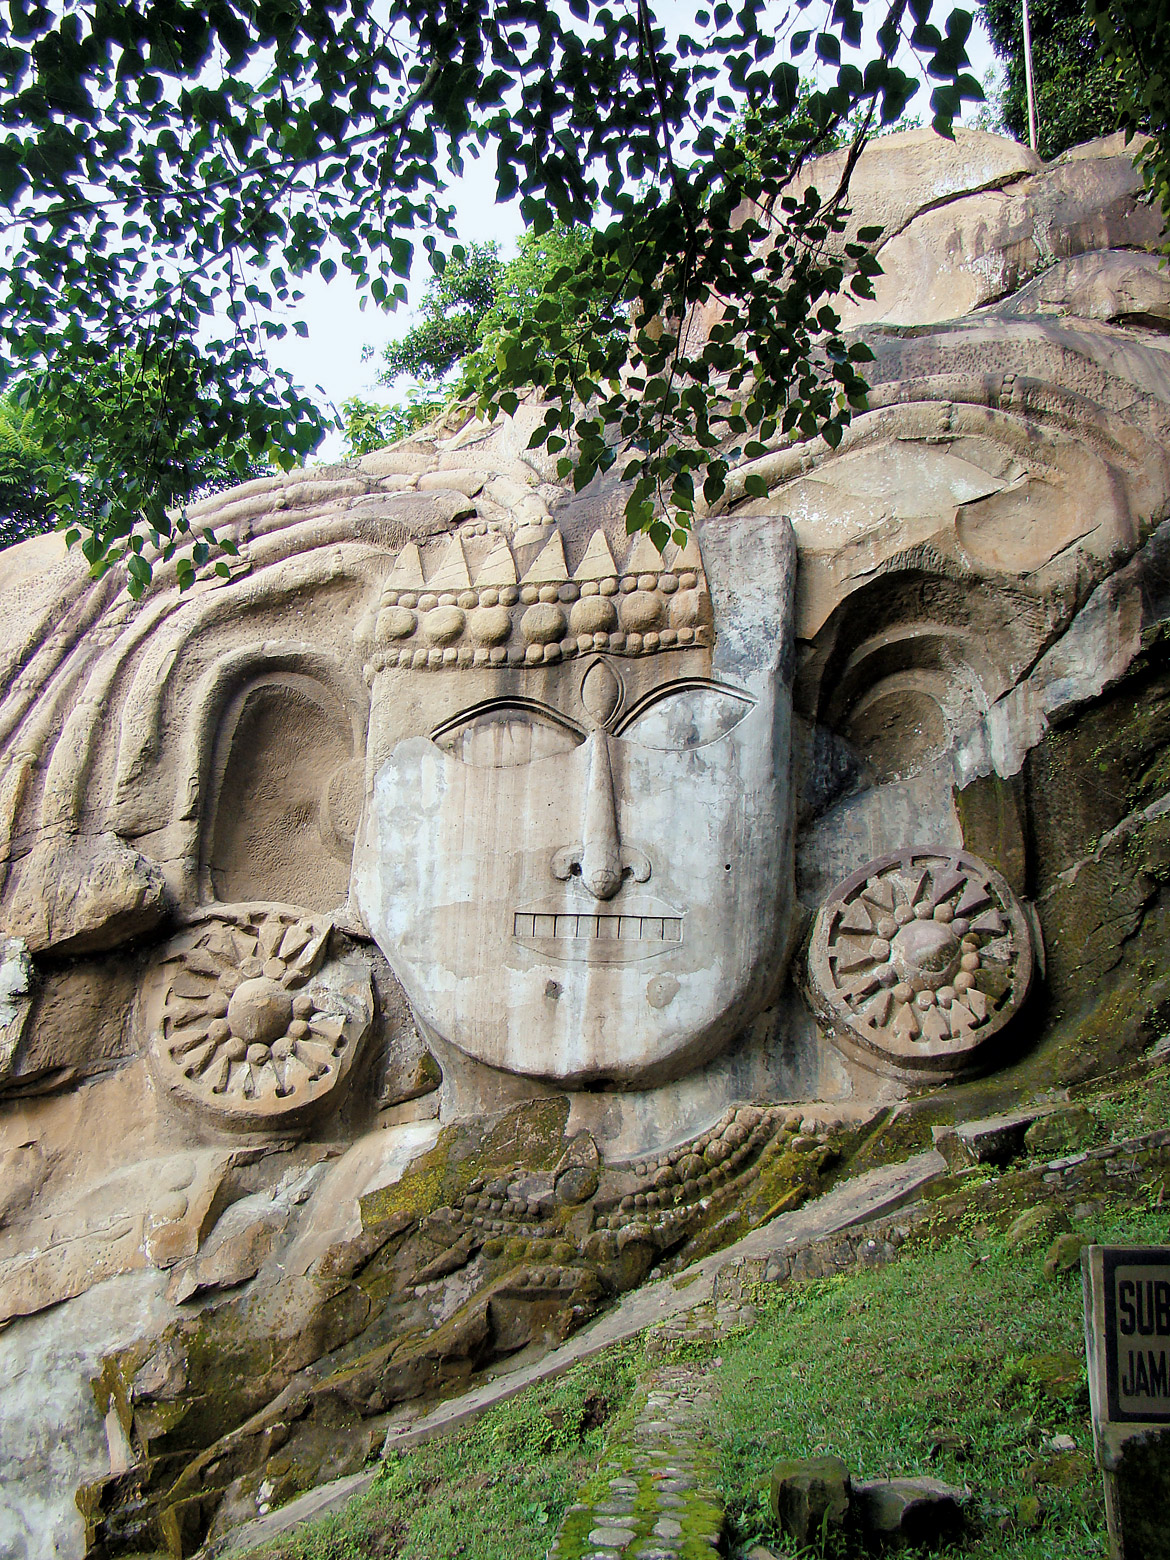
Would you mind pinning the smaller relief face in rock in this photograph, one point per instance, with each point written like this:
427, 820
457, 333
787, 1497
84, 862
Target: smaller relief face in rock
252, 1022
919, 959
576, 851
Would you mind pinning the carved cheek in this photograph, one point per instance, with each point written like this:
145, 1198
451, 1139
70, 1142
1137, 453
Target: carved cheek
442, 832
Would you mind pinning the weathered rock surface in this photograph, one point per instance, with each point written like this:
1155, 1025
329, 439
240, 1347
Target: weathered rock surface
913, 691
243, 1237
1121, 286
958, 255
75, 896
53, 1435
15, 997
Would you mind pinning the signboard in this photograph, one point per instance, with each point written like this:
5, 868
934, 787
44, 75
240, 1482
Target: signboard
1127, 1340
1137, 1333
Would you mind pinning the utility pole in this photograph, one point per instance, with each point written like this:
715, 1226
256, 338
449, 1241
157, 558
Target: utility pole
1028, 82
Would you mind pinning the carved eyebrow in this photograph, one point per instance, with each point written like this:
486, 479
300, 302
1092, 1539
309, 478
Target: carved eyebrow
656, 695
519, 705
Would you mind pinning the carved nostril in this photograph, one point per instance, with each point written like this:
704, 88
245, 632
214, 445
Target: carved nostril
635, 864
566, 862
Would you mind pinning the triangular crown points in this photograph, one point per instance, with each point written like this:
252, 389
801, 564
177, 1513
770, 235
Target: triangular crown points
689, 556
597, 564
499, 567
550, 567
452, 571
407, 572
644, 557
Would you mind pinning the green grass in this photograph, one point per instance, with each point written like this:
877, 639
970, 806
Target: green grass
1140, 1105
494, 1490
958, 1361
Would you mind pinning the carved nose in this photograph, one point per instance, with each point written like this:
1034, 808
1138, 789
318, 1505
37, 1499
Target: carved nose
601, 861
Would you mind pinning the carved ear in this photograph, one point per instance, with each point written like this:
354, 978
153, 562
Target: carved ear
284, 795
909, 662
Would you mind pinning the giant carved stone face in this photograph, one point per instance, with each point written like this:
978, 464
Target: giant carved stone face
576, 852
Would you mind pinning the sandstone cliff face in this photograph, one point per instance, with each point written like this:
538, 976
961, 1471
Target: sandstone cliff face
259, 1188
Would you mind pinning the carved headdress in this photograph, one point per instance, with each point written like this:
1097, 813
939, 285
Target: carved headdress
496, 595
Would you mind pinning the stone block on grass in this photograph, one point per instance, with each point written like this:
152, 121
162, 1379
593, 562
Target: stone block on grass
1042, 1220
912, 1513
994, 1140
1064, 1254
811, 1495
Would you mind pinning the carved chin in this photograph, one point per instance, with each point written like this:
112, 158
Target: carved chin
629, 1024
581, 998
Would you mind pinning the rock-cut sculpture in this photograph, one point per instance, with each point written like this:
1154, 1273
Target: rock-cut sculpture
415, 937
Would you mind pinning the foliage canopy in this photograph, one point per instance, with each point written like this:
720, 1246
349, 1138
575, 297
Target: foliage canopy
47, 469
1076, 87
169, 173
455, 301
24, 507
465, 312
1135, 40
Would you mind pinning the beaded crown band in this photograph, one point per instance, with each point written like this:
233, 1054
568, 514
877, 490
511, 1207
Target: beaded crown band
476, 600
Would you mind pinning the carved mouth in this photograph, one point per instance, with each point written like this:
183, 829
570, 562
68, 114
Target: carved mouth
638, 931
600, 928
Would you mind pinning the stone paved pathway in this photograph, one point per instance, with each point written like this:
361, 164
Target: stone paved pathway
655, 1489
655, 1496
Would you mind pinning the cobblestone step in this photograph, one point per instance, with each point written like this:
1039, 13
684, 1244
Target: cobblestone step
655, 1491
655, 1495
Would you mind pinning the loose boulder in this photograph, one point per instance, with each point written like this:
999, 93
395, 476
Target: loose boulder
913, 1513
811, 1496
81, 895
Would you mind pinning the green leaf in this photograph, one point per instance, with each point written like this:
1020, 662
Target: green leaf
164, 213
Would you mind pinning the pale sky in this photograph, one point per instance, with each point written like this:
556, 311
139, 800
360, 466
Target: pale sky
331, 356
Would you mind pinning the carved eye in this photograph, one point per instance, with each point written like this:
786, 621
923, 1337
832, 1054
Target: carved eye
506, 735
686, 718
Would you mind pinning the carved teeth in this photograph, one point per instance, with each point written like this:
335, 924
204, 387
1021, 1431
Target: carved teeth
185, 1011
196, 1059
599, 928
